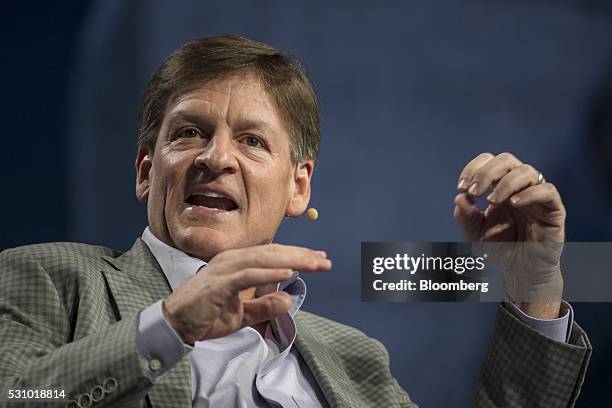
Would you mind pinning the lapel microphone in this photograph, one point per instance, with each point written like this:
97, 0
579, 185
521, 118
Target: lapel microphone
312, 214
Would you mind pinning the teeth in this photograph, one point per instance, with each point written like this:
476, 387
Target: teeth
213, 194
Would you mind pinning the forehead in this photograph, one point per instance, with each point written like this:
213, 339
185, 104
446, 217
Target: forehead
237, 98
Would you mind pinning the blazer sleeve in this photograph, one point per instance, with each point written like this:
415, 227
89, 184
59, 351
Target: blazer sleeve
524, 368
36, 351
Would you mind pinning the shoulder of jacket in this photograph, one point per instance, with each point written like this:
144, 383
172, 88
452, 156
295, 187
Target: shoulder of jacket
54, 254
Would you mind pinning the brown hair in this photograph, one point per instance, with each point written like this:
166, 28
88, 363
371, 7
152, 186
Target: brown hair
202, 60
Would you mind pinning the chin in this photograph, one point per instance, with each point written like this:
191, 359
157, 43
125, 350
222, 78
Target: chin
205, 243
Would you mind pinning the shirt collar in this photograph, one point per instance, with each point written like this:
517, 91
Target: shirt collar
176, 265
179, 267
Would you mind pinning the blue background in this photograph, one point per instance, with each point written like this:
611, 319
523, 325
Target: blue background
409, 92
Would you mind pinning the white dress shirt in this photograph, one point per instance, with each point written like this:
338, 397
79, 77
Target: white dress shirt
242, 369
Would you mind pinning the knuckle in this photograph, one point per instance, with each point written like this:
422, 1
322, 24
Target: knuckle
476, 162
501, 187
226, 293
217, 258
479, 176
243, 274
239, 275
274, 248
223, 256
258, 260
214, 284
528, 168
227, 287
204, 274
551, 189
252, 257
465, 175
310, 262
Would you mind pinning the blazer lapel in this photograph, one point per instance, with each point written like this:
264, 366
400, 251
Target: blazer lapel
136, 281
326, 366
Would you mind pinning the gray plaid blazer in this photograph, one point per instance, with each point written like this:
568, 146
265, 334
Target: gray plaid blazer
68, 318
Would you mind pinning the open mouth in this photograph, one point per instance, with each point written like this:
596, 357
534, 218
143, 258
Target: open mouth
212, 200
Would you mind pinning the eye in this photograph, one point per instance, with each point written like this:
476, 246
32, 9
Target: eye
252, 141
187, 133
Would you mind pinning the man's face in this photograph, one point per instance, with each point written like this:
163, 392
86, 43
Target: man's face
221, 176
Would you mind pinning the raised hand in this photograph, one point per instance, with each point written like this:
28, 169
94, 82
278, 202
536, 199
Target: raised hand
522, 209
208, 305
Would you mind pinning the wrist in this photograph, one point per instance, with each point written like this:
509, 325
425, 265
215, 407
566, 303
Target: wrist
185, 337
541, 310
541, 290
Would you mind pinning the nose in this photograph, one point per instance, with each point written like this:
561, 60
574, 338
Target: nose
218, 156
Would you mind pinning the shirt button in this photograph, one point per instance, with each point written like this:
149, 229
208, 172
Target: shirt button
154, 364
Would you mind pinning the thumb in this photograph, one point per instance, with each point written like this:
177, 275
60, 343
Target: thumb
468, 216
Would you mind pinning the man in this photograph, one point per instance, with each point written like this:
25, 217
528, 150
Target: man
203, 311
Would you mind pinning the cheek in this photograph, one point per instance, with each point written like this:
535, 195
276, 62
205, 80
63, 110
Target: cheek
157, 190
269, 193
166, 181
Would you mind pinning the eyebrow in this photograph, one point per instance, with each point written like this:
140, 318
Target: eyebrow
189, 116
200, 119
245, 124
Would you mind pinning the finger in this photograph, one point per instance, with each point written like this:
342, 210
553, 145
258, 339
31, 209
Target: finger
545, 194
236, 253
265, 308
277, 256
491, 172
250, 277
468, 216
512, 183
468, 171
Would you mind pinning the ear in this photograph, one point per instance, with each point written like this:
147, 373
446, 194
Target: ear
301, 189
143, 166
